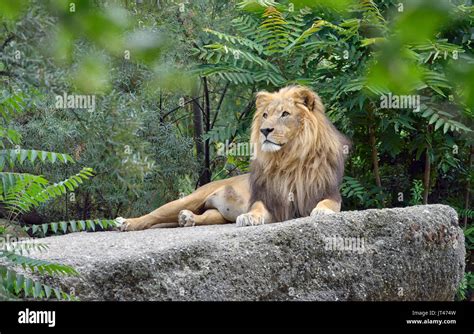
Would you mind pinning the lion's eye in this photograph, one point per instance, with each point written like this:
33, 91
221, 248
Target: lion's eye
285, 114
265, 115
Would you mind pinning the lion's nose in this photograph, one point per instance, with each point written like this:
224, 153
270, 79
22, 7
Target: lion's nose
266, 131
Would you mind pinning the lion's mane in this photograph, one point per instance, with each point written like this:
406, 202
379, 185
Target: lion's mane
290, 182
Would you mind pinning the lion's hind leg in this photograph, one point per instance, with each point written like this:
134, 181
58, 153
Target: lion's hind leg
209, 217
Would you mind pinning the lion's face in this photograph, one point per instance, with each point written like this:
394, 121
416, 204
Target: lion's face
280, 117
279, 123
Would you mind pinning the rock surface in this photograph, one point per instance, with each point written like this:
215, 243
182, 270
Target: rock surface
414, 253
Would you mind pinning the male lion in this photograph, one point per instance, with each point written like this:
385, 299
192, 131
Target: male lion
297, 170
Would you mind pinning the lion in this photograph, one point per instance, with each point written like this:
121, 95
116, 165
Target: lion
296, 172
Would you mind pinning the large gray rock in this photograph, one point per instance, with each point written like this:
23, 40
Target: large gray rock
414, 253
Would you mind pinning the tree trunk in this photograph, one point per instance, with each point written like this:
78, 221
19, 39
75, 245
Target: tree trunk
206, 175
219, 104
162, 121
426, 177
468, 185
373, 147
198, 132
375, 159
374, 151
427, 171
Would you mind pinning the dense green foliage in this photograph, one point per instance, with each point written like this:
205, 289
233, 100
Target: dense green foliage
173, 82
19, 193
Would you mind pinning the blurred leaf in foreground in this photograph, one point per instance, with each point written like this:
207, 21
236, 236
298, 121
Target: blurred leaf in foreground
92, 74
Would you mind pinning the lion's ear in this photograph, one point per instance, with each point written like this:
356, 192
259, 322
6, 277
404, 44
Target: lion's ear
310, 99
262, 98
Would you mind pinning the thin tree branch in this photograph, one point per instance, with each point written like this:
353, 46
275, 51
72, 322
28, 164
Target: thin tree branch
185, 103
8, 74
8, 40
219, 104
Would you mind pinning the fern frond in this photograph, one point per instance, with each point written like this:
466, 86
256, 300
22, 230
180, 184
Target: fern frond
236, 40
11, 104
351, 187
315, 27
10, 179
347, 28
363, 84
273, 32
237, 75
371, 11
469, 213
13, 156
296, 23
233, 74
441, 120
441, 46
24, 246
246, 25
435, 81
17, 284
273, 78
41, 266
64, 227
25, 195
237, 55
253, 4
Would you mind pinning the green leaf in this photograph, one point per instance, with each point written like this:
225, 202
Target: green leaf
32, 155
445, 127
63, 226
28, 286
90, 224
38, 290
47, 290
20, 280
82, 225
54, 227
57, 293
439, 123
45, 228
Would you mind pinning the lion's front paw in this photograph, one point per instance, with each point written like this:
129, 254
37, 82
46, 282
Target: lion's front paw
249, 219
321, 211
127, 225
186, 218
